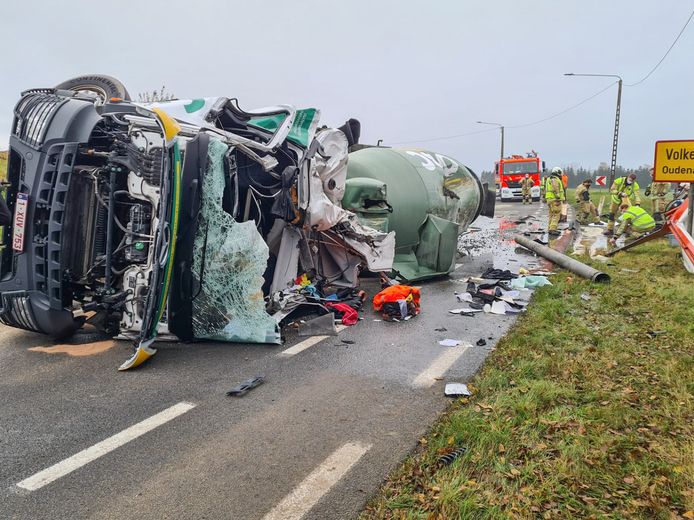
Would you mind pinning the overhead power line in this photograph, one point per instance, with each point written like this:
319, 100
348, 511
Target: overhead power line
553, 116
664, 55
566, 109
444, 138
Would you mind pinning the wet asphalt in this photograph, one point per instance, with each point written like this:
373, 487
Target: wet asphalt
234, 457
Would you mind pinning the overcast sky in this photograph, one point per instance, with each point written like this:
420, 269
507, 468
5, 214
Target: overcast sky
408, 70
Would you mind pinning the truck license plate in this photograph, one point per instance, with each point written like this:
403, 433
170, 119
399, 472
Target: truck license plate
20, 215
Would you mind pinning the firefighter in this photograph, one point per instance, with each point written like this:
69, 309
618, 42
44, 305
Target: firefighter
634, 222
543, 188
555, 195
587, 212
657, 192
526, 184
624, 190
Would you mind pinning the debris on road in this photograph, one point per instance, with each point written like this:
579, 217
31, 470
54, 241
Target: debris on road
450, 342
481, 342
465, 312
456, 390
243, 388
397, 302
530, 282
499, 274
321, 326
447, 459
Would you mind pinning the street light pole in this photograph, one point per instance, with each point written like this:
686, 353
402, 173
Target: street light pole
501, 156
613, 164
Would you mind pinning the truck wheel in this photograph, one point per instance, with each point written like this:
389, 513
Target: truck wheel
105, 87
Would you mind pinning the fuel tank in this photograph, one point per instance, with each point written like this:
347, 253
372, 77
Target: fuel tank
428, 199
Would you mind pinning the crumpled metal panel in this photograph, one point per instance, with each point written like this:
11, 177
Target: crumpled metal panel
229, 259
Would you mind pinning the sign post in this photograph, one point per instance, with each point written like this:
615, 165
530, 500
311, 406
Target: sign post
674, 162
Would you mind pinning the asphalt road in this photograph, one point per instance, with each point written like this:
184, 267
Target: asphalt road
80, 440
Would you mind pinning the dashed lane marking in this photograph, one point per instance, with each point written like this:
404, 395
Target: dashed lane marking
439, 366
67, 466
307, 343
307, 494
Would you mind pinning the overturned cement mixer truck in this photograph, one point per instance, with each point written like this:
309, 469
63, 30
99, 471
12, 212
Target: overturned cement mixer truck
192, 218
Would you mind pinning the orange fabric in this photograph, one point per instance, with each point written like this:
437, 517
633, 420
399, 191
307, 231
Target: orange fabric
395, 293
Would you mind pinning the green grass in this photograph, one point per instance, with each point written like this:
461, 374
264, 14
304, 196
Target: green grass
578, 413
3, 166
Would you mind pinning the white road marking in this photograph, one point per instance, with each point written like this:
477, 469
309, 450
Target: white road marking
439, 366
304, 496
307, 343
86, 456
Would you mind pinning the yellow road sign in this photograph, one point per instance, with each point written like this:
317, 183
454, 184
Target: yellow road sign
674, 161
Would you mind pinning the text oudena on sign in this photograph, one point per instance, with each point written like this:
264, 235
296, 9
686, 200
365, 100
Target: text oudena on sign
674, 161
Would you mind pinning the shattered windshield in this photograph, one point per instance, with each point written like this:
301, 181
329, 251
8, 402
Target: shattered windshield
229, 259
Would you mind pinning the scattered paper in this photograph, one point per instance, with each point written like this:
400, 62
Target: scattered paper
464, 311
585, 296
464, 297
450, 342
456, 389
511, 309
498, 307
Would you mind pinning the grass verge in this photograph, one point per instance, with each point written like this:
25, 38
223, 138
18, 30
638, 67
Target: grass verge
578, 413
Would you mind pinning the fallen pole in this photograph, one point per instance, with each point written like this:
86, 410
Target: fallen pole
562, 260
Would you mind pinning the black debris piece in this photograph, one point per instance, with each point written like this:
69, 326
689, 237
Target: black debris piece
481, 342
347, 342
442, 329
445, 460
654, 333
499, 274
243, 388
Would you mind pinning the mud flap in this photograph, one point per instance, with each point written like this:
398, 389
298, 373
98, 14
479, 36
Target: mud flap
142, 353
488, 202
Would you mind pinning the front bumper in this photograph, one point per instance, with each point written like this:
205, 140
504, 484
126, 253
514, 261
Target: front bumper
517, 193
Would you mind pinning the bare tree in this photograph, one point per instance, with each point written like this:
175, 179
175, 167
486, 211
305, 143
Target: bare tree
155, 97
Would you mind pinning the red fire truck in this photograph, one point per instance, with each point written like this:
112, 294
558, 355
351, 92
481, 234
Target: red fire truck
510, 171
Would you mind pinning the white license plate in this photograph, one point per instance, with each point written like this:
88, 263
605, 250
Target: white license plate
20, 216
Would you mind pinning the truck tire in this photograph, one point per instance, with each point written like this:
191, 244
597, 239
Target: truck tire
105, 87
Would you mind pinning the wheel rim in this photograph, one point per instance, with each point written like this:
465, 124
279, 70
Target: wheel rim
91, 89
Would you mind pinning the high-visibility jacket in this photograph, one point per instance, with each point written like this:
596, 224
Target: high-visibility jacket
555, 189
620, 186
639, 218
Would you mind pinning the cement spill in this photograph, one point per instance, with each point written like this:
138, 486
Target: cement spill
88, 349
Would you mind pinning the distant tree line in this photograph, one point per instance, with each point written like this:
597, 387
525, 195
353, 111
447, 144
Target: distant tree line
577, 174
